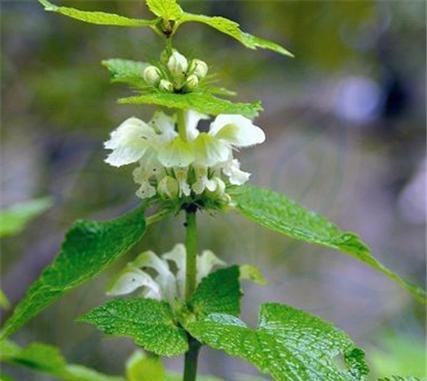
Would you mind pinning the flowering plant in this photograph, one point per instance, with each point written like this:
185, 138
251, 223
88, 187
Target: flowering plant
181, 301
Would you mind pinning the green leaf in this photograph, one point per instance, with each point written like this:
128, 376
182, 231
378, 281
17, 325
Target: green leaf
126, 71
218, 293
4, 301
99, 18
276, 212
140, 367
288, 344
202, 102
14, 219
232, 29
166, 9
88, 249
398, 378
149, 322
47, 359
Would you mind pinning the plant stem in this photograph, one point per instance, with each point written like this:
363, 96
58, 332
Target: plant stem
191, 259
190, 365
181, 125
190, 369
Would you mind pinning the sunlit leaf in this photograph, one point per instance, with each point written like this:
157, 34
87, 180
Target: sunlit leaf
126, 71
232, 29
166, 9
288, 344
89, 247
47, 359
199, 101
14, 219
148, 322
99, 18
276, 212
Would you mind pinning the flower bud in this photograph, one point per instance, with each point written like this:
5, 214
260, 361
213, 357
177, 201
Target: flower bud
152, 75
177, 64
199, 68
192, 82
168, 187
166, 85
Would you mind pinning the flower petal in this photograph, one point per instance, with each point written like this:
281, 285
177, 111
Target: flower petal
128, 142
165, 125
236, 130
209, 151
176, 153
178, 256
206, 262
192, 119
202, 181
232, 169
130, 279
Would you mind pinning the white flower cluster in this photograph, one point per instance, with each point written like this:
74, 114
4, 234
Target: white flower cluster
179, 74
175, 166
165, 284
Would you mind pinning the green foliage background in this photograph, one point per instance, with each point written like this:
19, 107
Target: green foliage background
58, 107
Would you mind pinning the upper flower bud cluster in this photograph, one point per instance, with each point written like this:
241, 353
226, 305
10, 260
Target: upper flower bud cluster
178, 74
173, 166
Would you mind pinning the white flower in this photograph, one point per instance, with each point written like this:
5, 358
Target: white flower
175, 166
164, 284
232, 169
129, 142
152, 75
177, 64
202, 182
199, 68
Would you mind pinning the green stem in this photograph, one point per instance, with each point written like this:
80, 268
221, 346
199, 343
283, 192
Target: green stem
191, 246
190, 365
191, 357
181, 125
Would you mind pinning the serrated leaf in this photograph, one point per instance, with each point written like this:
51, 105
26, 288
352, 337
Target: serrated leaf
126, 71
14, 219
148, 322
276, 212
288, 344
166, 9
47, 359
99, 18
218, 293
232, 29
202, 102
398, 378
89, 247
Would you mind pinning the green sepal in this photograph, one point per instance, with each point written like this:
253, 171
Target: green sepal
89, 247
276, 212
150, 323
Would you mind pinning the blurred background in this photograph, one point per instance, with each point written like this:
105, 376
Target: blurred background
345, 124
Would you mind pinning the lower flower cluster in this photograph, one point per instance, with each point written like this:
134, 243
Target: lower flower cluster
175, 164
155, 277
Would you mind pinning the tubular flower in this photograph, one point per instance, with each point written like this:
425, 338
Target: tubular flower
175, 166
162, 283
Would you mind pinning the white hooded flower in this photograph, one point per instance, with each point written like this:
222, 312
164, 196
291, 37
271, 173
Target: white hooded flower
165, 284
232, 170
129, 142
202, 181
